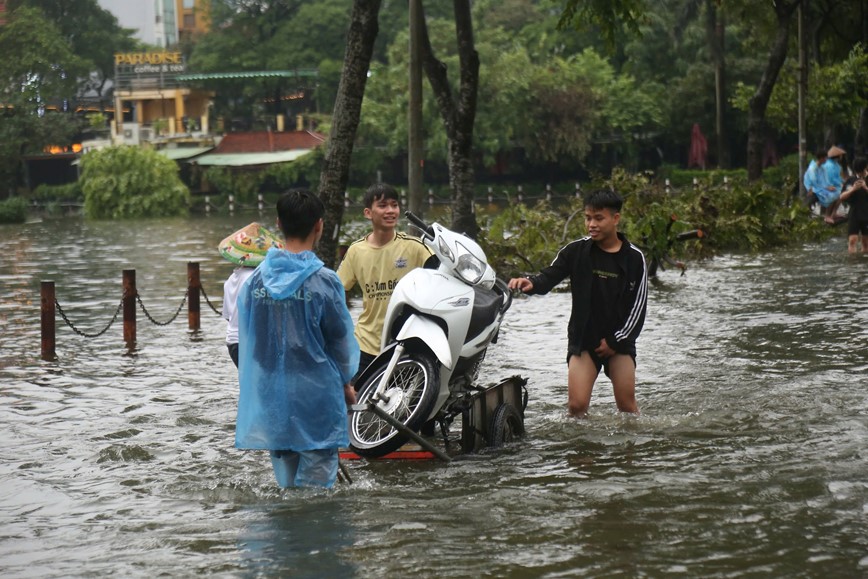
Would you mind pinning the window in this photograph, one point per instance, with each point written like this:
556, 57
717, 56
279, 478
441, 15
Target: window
189, 3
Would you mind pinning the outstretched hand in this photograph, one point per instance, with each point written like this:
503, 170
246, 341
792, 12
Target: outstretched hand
520, 283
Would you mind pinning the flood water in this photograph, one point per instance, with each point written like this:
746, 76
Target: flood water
750, 458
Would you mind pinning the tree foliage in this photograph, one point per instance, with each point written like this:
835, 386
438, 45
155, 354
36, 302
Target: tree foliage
43, 71
574, 85
552, 106
252, 36
45, 67
129, 182
13, 210
737, 216
92, 34
607, 16
838, 97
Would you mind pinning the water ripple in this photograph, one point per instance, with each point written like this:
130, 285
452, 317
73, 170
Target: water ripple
748, 459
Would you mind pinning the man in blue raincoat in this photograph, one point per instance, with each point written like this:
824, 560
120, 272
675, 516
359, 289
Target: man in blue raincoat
297, 353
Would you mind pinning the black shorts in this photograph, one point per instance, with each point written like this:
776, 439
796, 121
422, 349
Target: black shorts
233, 352
855, 227
600, 363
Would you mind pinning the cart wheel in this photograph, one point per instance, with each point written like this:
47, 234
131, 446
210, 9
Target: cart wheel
506, 425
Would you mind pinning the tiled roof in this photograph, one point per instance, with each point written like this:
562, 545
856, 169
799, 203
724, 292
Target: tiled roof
268, 142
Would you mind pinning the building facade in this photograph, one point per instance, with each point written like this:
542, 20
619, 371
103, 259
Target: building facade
162, 23
193, 18
149, 83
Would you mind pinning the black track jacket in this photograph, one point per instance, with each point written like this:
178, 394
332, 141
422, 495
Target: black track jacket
574, 260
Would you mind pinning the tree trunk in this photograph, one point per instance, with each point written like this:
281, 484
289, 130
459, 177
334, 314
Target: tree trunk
345, 121
759, 101
458, 114
861, 141
716, 34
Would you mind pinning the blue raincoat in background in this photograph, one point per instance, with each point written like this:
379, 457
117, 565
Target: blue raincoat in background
833, 172
296, 352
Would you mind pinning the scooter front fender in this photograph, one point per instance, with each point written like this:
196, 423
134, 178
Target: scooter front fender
430, 334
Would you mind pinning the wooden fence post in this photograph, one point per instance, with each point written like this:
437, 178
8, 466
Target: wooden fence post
48, 319
193, 287
130, 307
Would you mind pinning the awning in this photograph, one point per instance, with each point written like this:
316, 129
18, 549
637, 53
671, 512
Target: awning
249, 74
248, 159
179, 153
175, 153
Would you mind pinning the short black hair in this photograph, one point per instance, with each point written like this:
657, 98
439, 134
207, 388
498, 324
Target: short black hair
860, 164
604, 199
298, 211
379, 191
821, 153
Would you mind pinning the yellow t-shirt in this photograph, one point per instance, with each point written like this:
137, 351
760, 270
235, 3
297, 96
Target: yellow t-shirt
377, 271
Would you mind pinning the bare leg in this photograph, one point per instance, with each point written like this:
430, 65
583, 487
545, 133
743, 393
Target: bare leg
851, 243
582, 373
864, 243
622, 371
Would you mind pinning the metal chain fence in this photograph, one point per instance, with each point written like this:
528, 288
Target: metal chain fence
151, 318
210, 305
148, 315
83, 333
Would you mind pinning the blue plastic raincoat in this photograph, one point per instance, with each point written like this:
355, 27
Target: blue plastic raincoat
296, 352
833, 172
817, 181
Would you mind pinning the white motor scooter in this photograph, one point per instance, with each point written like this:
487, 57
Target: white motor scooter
438, 326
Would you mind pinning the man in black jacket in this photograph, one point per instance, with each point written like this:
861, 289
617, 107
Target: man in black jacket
609, 284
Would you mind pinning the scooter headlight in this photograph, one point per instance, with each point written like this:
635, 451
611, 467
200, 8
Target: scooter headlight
468, 267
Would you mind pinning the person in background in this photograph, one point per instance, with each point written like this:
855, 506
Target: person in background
835, 167
609, 284
296, 353
817, 185
376, 262
856, 194
246, 248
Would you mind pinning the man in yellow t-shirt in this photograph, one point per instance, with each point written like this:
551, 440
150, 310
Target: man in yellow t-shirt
376, 263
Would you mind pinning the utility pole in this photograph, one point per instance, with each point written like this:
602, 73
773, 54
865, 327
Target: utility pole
415, 161
803, 91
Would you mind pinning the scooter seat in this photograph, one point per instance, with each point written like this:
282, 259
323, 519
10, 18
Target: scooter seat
486, 305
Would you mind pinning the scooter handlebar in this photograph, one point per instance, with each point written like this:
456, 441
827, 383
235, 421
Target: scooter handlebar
424, 227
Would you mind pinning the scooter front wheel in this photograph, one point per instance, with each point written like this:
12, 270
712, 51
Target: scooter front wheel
408, 397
